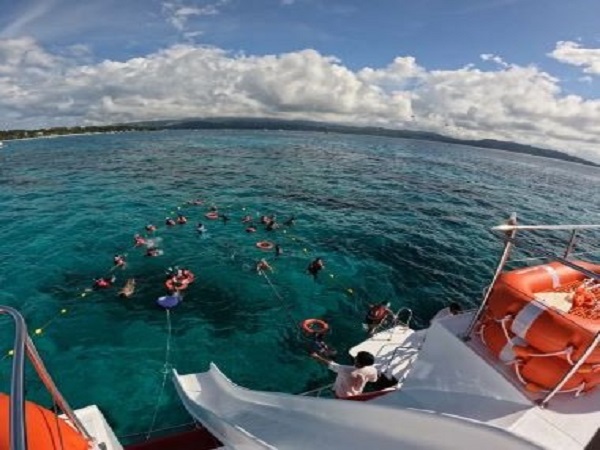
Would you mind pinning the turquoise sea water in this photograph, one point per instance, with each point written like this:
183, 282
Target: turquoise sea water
407, 221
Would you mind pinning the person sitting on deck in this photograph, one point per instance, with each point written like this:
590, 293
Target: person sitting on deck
376, 315
351, 380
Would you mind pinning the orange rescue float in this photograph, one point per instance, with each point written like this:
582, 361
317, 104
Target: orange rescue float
314, 326
45, 431
543, 319
265, 245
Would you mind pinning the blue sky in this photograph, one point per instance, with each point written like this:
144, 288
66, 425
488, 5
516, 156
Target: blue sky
442, 45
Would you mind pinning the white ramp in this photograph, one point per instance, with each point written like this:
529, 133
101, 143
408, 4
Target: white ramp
245, 419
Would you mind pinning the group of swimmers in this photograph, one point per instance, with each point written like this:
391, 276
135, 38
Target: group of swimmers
179, 281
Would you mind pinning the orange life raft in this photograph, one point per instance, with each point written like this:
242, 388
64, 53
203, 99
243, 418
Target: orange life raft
544, 340
45, 431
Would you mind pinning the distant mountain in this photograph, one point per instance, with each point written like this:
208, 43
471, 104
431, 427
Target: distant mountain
305, 125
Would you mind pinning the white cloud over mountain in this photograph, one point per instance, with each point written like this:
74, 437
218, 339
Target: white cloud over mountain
523, 104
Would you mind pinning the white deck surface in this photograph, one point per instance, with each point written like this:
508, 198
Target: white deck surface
94, 422
464, 380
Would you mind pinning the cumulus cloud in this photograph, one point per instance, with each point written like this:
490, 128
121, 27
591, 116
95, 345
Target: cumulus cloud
572, 53
522, 104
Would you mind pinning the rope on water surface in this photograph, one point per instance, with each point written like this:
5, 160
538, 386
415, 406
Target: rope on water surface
165, 371
281, 299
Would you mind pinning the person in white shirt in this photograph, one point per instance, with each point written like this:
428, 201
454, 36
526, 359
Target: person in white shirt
351, 380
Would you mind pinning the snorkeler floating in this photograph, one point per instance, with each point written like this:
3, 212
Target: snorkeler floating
119, 261
315, 267
104, 282
262, 266
169, 222
181, 219
179, 280
138, 240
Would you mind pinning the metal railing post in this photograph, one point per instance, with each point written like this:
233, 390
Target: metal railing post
571, 244
503, 258
17, 426
24, 346
42, 372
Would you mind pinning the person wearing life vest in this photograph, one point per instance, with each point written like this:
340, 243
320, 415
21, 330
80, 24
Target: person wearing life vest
104, 283
376, 315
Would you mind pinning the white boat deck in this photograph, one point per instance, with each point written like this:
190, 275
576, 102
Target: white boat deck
454, 378
94, 422
394, 349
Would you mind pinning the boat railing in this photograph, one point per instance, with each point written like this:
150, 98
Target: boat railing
23, 346
318, 391
395, 321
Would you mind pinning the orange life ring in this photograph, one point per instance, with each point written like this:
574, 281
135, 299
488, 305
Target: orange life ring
314, 326
212, 215
265, 245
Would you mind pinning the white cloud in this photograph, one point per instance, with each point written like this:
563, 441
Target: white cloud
522, 104
178, 14
572, 53
494, 58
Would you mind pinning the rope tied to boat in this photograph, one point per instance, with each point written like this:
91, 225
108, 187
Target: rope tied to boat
166, 369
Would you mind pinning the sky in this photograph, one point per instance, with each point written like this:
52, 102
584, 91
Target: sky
526, 71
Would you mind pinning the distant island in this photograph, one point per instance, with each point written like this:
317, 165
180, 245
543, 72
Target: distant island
241, 123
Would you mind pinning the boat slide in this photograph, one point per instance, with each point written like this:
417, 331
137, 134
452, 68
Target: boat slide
246, 419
